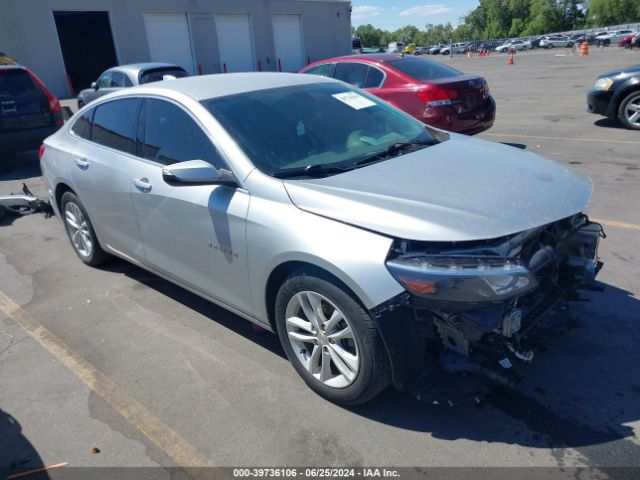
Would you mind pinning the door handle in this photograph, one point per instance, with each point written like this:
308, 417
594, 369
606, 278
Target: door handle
142, 184
82, 163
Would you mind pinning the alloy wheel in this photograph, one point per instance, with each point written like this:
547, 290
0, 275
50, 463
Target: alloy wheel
78, 228
632, 110
322, 339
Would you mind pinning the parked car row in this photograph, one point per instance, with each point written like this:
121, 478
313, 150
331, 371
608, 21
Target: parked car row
608, 37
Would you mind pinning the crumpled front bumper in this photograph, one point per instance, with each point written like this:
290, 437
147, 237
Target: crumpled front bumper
444, 351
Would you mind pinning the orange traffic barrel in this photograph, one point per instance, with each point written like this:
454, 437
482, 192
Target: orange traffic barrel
584, 49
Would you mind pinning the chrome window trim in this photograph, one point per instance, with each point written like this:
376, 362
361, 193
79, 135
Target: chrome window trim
220, 151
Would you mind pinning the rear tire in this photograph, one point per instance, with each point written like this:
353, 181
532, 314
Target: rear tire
629, 110
308, 347
80, 231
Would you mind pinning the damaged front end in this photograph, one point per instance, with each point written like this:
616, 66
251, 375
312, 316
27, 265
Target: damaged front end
472, 309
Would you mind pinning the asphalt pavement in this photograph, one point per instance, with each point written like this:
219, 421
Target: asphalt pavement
149, 374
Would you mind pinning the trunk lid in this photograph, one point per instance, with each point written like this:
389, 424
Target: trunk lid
472, 91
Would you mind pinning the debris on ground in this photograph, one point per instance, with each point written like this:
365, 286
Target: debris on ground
24, 204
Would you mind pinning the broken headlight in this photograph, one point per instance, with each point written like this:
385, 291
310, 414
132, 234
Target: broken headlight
461, 278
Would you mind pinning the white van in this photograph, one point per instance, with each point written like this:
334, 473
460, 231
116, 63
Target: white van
395, 47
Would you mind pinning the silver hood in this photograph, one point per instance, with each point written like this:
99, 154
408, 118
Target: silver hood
461, 189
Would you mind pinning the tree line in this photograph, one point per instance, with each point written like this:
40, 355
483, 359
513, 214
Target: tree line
511, 18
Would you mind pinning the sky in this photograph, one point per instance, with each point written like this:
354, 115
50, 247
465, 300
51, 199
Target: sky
393, 14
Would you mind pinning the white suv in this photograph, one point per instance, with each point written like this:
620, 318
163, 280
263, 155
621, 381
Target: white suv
553, 41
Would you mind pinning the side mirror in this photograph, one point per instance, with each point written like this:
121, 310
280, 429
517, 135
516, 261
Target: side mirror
94, 85
197, 172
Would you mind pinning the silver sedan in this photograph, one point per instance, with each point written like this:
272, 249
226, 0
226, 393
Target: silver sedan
380, 250
125, 76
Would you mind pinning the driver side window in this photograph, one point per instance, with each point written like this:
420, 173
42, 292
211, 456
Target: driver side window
104, 80
172, 136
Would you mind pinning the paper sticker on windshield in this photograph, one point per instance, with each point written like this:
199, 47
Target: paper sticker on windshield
355, 101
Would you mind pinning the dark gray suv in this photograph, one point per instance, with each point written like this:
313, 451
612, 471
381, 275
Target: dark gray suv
29, 113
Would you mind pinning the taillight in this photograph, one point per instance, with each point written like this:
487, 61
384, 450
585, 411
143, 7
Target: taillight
438, 97
54, 103
41, 153
485, 90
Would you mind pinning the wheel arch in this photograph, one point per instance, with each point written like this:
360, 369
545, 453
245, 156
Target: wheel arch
60, 190
282, 271
632, 85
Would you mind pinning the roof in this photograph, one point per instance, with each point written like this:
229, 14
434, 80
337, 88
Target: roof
376, 57
137, 67
223, 84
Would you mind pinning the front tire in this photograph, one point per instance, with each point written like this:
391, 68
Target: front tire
629, 111
80, 231
331, 340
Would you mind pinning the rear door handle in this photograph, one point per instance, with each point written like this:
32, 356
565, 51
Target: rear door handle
142, 184
82, 163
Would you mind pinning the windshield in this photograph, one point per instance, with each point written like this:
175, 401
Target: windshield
327, 126
157, 74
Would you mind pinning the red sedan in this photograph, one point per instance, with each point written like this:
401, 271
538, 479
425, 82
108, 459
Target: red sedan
433, 93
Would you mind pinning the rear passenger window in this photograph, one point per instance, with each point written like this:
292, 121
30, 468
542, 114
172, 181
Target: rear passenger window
374, 79
82, 126
323, 70
353, 73
172, 136
114, 124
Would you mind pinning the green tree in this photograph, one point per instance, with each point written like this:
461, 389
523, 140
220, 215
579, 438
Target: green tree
607, 12
543, 18
369, 35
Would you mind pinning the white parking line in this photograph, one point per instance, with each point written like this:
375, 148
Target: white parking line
167, 439
564, 139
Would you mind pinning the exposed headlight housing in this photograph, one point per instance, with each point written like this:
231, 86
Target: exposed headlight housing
603, 84
462, 278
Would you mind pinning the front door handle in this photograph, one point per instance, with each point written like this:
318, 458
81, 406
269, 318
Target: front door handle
142, 184
82, 163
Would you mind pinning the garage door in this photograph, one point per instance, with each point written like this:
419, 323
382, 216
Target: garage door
235, 42
169, 39
287, 35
